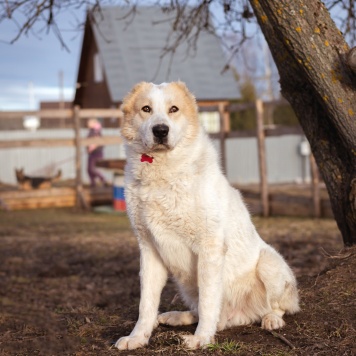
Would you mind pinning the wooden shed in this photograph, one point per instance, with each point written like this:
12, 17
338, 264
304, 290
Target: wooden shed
121, 49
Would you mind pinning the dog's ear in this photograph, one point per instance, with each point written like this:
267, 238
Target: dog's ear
128, 104
182, 85
185, 89
188, 94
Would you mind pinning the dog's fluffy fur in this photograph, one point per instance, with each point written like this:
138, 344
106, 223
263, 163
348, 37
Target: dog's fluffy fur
26, 182
191, 224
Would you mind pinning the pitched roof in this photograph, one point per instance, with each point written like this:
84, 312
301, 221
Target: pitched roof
131, 50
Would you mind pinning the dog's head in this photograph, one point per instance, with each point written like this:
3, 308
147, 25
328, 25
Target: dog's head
158, 117
20, 176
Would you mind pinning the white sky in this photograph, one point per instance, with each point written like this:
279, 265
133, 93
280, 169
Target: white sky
36, 61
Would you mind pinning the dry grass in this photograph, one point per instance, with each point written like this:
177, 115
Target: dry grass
69, 286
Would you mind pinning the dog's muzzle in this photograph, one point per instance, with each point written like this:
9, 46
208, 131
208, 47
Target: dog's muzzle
160, 133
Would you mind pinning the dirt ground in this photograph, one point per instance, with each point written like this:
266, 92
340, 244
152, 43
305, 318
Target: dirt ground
69, 286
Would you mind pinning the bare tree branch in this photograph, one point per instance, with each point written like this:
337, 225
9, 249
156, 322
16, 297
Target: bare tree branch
344, 12
224, 18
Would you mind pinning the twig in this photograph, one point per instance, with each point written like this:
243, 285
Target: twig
316, 280
281, 337
341, 255
175, 298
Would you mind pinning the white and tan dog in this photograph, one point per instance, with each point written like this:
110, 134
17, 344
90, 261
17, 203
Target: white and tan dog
190, 223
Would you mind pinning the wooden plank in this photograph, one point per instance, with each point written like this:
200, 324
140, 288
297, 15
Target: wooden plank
40, 202
212, 102
102, 140
228, 107
36, 193
236, 107
61, 113
102, 113
42, 142
117, 113
240, 107
214, 108
283, 130
283, 205
53, 197
59, 142
112, 163
102, 196
269, 132
113, 140
262, 158
48, 201
48, 114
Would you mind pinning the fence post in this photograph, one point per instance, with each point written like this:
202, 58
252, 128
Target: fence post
80, 201
315, 186
262, 158
223, 129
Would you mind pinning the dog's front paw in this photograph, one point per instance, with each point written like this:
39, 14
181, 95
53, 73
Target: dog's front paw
193, 342
131, 342
272, 321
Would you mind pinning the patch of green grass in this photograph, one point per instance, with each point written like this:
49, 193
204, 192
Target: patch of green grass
230, 347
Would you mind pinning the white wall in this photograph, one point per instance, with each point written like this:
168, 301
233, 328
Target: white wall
284, 163
46, 161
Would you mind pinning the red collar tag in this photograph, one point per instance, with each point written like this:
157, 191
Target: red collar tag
146, 158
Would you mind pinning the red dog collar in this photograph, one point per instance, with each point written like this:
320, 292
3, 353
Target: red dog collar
146, 158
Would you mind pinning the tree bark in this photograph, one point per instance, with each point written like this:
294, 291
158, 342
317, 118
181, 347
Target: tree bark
310, 54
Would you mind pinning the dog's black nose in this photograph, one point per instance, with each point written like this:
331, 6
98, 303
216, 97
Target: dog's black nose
160, 131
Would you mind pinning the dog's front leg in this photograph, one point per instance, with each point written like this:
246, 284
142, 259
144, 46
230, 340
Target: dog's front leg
153, 276
210, 262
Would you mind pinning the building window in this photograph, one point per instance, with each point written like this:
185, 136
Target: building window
98, 69
210, 121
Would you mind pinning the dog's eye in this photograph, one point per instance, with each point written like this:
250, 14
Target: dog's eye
146, 108
173, 109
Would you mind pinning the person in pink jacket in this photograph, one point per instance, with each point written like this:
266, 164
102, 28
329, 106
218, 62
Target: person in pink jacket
95, 153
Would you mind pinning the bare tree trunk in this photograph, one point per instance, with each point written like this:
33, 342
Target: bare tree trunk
309, 52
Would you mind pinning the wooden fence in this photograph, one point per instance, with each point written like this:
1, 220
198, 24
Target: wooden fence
76, 115
223, 107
